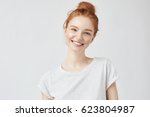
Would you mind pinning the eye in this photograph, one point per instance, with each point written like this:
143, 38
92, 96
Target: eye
73, 29
87, 33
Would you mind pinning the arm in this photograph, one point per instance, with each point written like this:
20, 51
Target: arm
111, 93
44, 97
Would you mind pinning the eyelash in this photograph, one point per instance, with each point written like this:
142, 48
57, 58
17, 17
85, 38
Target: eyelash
87, 33
73, 29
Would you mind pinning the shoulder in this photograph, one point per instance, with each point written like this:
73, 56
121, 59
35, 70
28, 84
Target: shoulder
105, 63
48, 74
102, 60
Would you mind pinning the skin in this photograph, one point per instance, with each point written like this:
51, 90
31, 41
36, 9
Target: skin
111, 92
79, 35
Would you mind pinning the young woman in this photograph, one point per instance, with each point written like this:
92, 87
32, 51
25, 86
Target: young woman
80, 77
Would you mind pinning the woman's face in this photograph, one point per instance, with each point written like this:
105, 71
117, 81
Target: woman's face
79, 33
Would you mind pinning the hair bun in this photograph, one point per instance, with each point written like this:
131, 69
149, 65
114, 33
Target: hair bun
86, 6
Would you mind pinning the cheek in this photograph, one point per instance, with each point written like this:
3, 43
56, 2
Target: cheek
88, 40
69, 35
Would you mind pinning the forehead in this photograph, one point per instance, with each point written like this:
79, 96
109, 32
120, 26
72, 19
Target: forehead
81, 22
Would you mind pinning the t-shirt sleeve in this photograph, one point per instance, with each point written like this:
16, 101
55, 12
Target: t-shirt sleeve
111, 74
43, 84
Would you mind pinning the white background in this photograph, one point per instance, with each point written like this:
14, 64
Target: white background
8, 108
32, 42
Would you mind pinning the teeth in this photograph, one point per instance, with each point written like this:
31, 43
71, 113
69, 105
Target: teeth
77, 43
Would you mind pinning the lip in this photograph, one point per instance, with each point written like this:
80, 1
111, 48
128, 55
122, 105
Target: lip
77, 43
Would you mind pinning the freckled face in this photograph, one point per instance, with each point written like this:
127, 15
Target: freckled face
79, 33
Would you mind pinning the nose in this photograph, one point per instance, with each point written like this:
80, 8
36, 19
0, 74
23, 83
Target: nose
79, 36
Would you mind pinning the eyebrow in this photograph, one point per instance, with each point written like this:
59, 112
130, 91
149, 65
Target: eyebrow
77, 28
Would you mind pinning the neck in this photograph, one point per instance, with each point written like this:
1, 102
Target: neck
76, 61
74, 58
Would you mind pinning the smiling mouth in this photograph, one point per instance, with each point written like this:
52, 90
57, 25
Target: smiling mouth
77, 43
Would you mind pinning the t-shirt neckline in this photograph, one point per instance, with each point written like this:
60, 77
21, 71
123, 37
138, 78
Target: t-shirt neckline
77, 72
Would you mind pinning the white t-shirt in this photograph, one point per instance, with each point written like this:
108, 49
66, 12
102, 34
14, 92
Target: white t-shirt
89, 84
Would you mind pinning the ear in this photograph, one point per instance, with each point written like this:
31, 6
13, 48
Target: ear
65, 30
92, 39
